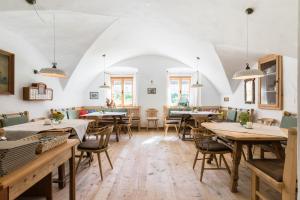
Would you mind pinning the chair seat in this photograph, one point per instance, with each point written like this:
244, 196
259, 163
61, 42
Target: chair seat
172, 122
89, 145
212, 145
272, 167
152, 118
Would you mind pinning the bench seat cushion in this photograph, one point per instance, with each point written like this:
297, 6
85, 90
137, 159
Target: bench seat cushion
11, 121
272, 167
212, 145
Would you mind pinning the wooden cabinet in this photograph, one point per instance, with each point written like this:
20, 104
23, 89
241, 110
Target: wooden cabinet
270, 87
37, 92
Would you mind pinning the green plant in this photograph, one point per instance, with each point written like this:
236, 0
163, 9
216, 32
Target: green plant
58, 116
244, 118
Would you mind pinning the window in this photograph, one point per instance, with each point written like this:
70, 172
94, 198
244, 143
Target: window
179, 89
122, 90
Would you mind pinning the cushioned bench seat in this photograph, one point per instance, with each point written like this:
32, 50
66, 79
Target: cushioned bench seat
272, 167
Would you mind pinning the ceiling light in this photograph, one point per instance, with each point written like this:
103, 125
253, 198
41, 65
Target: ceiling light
248, 73
53, 71
197, 84
104, 86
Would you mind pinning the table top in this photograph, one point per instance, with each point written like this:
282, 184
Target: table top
198, 113
235, 131
104, 114
30, 128
37, 163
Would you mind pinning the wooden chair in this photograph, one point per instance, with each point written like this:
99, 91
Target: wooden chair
281, 175
170, 123
152, 117
206, 145
288, 120
97, 146
126, 124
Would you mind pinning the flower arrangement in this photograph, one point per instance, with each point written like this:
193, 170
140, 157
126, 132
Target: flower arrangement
244, 118
57, 116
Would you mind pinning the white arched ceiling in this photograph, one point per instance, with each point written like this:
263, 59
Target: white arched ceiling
211, 29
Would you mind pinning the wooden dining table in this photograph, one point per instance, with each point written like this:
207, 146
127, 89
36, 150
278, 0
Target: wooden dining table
100, 115
238, 136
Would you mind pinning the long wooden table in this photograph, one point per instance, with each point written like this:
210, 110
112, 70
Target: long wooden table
35, 177
239, 136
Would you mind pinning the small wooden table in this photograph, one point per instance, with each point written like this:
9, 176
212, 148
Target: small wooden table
186, 115
35, 177
100, 115
239, 136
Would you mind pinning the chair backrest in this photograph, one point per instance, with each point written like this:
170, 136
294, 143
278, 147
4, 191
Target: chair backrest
267, 121
288, 120
231, 115
104, 136
200, 136
14, 119
290, 166
151, 112
130, 118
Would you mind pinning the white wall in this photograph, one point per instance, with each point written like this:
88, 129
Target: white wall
152, 67
28, 58
289, 93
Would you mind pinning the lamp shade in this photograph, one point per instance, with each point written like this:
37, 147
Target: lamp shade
197, 85
248, 73
52, 72
104, 86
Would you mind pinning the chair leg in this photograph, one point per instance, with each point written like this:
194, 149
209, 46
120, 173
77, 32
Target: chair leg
176, 129
166, 130
244, 155
100, 166
220, 160
148, 125
156, 124
80, 158
254, 186
216, 160
202, 168
106, 153
226, 164
195, 160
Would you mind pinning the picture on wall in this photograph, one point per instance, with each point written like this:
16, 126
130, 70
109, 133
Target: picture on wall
250, 91
94, 95
151, 90
7, 73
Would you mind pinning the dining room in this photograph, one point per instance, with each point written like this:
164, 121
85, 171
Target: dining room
149, 100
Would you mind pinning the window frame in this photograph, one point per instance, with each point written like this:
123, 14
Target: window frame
122, 79
180, 79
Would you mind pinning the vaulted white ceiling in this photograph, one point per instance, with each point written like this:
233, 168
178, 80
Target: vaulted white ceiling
215, 30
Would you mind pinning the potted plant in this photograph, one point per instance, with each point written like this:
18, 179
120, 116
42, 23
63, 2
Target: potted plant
244, 118
57, 117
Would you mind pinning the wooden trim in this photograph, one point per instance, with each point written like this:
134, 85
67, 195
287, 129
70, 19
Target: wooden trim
279, 78
11, 73
122, 79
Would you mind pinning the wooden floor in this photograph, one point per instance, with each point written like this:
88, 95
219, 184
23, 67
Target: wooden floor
155, 167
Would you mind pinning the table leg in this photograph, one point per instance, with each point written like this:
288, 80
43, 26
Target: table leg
236, 158
115, 126
61, 176
250, 155
278, 150
72, 186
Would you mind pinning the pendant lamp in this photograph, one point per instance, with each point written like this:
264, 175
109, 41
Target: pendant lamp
197, 84
248, 73
104, 86
53, 71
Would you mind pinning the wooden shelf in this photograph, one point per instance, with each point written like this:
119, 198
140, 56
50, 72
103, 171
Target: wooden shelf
36, 93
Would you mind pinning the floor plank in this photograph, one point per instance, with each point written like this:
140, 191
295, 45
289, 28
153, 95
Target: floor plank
151, 166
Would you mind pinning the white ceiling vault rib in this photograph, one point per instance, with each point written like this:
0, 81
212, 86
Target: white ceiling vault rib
213, 30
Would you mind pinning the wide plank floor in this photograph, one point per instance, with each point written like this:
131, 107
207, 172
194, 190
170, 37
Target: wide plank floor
153, 167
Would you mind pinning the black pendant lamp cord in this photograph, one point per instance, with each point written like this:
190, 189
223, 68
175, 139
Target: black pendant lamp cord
247, 38
54, 43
